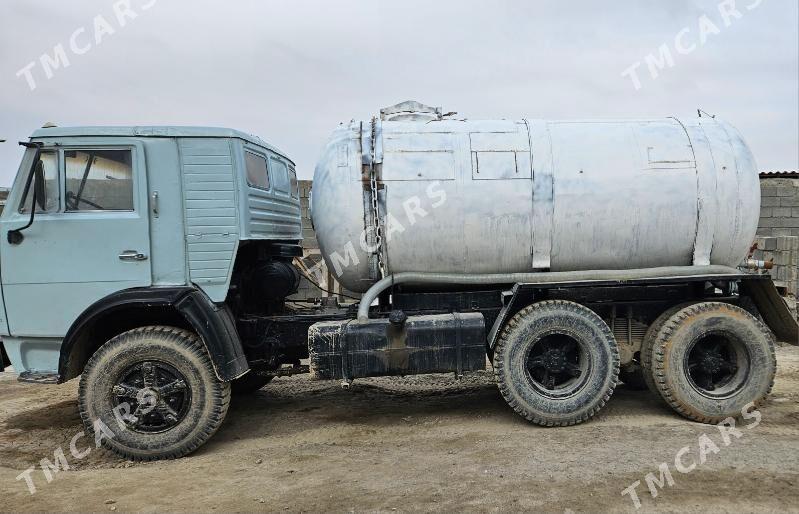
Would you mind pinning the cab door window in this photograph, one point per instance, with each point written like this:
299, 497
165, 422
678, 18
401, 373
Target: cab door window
99, 180
46, 172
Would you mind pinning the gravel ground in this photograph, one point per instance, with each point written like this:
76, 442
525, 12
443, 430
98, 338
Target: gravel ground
405, 444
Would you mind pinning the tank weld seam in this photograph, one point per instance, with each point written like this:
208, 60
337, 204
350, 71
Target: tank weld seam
698, 196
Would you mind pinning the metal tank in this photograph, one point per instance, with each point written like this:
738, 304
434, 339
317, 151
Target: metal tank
418, 190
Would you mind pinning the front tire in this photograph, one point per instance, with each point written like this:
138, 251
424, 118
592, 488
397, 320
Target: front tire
711, 360
556, 363
155, 390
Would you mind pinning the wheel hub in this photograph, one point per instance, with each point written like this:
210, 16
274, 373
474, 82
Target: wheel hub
554, 362
148, 397
157, 396
711, 363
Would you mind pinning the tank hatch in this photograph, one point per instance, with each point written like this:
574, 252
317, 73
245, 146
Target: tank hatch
410, 110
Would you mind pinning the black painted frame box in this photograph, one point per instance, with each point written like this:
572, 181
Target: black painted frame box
422, 344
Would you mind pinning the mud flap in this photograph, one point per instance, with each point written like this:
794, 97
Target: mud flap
4, 360
217, 328
772, 307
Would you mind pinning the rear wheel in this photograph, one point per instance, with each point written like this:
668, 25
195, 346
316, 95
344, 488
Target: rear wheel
712, 359
153, 393
556, 363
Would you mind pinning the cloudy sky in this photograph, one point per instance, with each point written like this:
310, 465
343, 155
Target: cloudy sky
290, 71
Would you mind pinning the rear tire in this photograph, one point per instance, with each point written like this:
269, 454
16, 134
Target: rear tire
648, 344
155, 390
556, 363
711, 360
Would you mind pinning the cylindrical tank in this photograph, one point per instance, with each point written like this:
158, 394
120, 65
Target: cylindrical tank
462, 196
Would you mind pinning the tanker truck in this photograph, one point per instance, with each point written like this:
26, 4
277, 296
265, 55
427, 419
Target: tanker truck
155, 264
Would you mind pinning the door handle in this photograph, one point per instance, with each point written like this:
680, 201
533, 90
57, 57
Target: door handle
132, 255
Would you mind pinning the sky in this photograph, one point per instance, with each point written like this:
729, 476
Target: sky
290, 72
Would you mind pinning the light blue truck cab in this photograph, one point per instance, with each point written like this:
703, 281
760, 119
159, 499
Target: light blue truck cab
145, 227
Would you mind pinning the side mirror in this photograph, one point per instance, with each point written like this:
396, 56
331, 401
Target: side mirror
39, 186
36, 175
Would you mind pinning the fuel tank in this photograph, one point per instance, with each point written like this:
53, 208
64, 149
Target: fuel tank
416, 190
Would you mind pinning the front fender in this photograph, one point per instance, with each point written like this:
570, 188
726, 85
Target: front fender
212, 322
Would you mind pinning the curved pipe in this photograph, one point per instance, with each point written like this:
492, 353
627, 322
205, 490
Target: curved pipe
533, 278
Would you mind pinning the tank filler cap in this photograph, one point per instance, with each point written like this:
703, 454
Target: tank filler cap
410, 110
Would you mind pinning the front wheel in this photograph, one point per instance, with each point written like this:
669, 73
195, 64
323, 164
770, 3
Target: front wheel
153, 393
556, 363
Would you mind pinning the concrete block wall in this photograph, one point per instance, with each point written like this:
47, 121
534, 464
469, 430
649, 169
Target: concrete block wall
779, 207
312, 258
308, 235
778, 230
784, 252
3, 198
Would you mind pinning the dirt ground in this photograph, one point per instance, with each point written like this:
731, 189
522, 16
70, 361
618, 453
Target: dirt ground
427, 443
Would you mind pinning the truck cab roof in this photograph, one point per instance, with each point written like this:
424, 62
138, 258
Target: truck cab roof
153, 131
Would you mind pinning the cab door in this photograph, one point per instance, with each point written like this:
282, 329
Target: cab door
89, 237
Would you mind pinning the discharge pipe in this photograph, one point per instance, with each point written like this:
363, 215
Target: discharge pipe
536, 278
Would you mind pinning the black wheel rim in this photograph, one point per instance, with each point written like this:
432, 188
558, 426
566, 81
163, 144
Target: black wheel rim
717, 364
157, 394
558, 365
